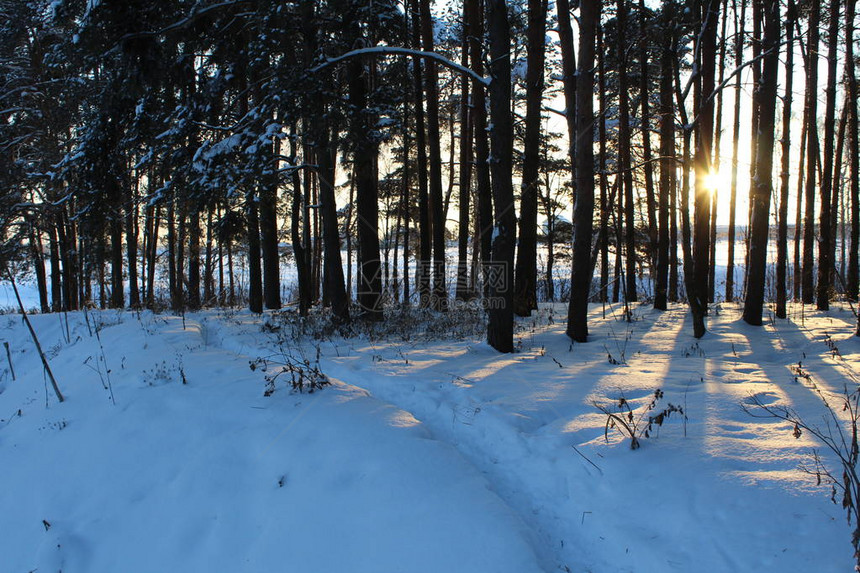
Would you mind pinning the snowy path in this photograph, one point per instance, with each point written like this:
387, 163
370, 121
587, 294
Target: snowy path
516, 418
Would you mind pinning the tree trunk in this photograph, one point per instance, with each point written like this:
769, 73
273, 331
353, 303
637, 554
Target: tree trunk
762, 183
255, 271
484, 234
697, 310
853, 155
625, 170
798, 220
348, 234
180, 255
645, 121
425, 244
619, 240
35, 240
171, 255
808, 279
825, 256
333, 282
500, 330
117, 295
324, 153
152, 256
437, 215
755, 68
269, 226
836, 200
56, 284
673, 240
208, 270
405, 201
99, 248
702, 160
131, 235
739, 56
667, 164
219, 245
367, 195
464, 290
782, 220
605, 204
297, 222
525, 295
74, 275
718, 134
194, 258
583, 216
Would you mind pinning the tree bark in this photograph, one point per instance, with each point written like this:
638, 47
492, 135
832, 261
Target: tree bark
853, 155
762, 183
255, 270
667, 164
131, 237
35, 241
437, 215
718, 133
583, 216
605, 202
645, 121
625, 170
739, 56
755, 69
808, 278
482, 145
500, 330
696, 309
194, 258
425, 244
464, 288
324, 153
837, 201
298, 222
525, 295
367, 195
702, 161
117, 294
56, 284
782, 219
798, 220
269, 227
825, 255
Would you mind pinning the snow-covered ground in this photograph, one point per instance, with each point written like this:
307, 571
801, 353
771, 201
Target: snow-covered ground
422, 455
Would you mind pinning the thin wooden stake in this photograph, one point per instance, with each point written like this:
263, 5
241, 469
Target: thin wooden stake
9, 358
35, 338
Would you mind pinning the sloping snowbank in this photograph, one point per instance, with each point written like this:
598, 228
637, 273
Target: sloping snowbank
213, 476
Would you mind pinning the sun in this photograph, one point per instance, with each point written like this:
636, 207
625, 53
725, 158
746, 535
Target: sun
713, 181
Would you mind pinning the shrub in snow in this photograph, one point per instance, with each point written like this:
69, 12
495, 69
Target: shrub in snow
838, 433
304, 374
164, 372
405, 323
633, 423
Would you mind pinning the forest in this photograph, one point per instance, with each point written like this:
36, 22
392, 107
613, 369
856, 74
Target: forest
426, 154
410, 285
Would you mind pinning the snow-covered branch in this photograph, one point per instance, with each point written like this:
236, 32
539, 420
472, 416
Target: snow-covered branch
393, 50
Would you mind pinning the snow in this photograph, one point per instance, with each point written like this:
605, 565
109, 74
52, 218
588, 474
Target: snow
423, 454
393, 50
214, 476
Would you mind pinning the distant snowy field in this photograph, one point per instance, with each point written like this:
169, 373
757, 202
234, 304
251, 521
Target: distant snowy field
422, 456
